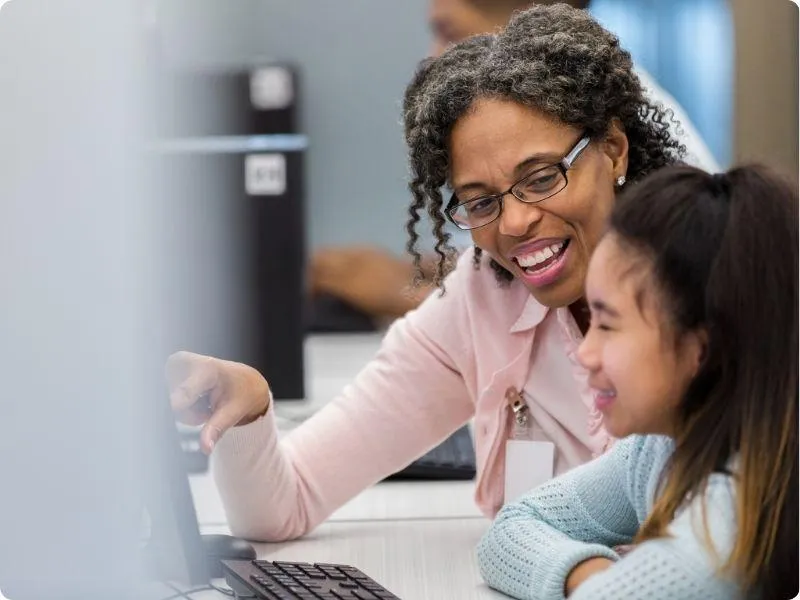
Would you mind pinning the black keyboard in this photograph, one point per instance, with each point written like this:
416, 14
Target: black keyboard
296, 580
453, 459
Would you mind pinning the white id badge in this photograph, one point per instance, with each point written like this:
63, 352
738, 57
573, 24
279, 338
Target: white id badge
528, 464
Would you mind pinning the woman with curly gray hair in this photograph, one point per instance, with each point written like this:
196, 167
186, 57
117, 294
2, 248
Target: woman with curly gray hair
511, 104
535, 130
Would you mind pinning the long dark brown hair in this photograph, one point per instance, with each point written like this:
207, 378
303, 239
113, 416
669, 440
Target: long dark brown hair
725, 255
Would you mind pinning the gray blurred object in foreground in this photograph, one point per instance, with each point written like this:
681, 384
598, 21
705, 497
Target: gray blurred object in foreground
77, 305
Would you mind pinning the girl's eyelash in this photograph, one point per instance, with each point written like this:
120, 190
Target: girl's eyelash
594, 322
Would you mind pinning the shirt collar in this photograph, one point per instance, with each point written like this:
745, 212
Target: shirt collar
532, 315
568, 325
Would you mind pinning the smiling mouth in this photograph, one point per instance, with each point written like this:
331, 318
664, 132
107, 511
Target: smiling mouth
603, 399
541, 259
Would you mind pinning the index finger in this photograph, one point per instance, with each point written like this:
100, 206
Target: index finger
190, 377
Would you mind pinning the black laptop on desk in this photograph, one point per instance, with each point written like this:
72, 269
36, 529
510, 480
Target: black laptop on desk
452, 460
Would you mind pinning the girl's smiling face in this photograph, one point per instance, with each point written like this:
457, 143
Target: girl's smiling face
639, 365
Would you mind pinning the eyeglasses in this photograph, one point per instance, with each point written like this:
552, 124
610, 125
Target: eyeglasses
541, 184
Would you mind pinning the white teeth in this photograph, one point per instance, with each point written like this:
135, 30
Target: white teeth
531, 260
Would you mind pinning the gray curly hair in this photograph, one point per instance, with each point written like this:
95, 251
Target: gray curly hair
554, 58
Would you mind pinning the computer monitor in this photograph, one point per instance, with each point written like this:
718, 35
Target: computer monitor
173, 548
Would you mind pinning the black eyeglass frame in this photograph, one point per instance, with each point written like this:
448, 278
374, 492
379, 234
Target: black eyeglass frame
564, 165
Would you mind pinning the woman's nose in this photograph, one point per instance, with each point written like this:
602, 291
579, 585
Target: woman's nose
518, 216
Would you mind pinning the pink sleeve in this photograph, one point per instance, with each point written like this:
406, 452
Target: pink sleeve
404, 402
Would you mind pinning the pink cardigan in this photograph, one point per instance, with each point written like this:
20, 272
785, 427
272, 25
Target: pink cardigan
450, 360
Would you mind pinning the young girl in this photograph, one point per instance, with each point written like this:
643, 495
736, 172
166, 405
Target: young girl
693, 346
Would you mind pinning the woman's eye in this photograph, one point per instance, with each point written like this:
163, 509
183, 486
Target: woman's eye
542, 183
481, 206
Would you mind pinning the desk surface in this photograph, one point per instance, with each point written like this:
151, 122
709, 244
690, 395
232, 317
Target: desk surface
414, 559
385, 501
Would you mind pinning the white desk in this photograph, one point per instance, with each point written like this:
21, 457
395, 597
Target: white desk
416, 560
385, 501
416, 538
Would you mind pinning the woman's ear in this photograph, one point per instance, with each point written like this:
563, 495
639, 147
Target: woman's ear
615, 146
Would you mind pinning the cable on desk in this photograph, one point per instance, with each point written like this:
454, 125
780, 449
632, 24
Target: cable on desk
184, 594
226, 591
179, 593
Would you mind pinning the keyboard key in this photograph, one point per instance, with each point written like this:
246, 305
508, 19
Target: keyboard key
271, 586
371, 585
300, 592
268, 567
313, 572
354, 573
291, 565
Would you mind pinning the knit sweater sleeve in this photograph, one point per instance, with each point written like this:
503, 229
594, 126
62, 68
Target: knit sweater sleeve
535, 542
684, 563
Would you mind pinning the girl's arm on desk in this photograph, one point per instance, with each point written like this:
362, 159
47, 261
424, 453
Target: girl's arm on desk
538, 543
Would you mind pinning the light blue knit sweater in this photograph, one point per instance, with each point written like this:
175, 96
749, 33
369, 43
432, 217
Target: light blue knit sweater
534, 543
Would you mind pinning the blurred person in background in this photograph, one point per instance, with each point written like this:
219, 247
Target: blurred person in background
380, 284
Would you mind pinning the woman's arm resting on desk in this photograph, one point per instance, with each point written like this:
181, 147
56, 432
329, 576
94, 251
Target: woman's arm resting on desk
535, 543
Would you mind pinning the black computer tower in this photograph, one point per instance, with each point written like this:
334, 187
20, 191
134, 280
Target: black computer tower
229, 101
230, 165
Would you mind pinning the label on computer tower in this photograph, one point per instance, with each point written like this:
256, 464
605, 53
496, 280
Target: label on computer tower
265, 174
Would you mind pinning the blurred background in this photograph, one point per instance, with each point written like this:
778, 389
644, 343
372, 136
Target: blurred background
730, 64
